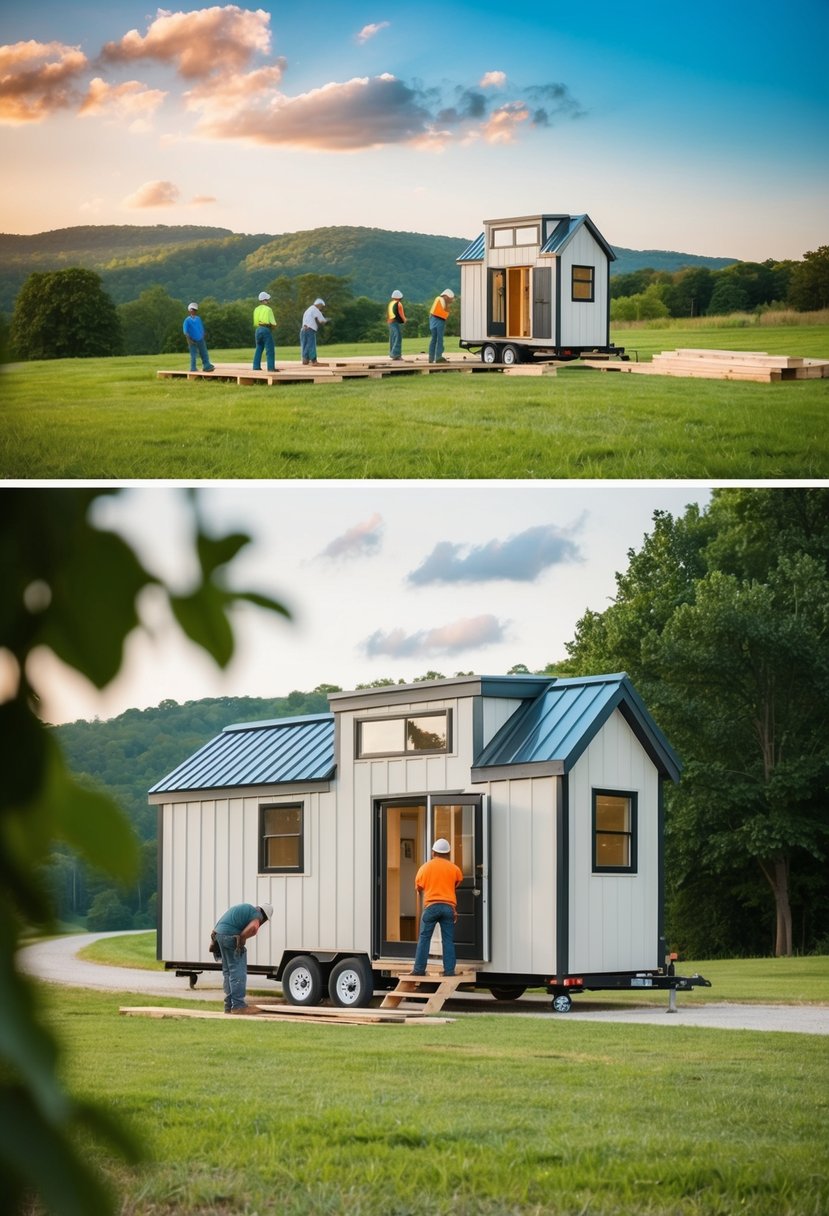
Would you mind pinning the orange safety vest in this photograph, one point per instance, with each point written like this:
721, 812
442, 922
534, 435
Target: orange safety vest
390, 315
439, 309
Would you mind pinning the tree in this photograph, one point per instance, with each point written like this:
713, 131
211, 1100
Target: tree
147, 322
722, 619
727, 297
71, 588
290, 298
809, 282
107, 913
65, 314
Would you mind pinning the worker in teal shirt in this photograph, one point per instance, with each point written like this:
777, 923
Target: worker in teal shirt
193, 329
237, 926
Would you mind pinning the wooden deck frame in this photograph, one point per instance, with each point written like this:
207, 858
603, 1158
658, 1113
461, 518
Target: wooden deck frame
334, 371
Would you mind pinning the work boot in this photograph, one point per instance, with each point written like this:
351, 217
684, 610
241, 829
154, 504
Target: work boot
250, 1010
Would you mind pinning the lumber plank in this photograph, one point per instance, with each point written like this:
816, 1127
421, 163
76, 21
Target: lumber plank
291, 1013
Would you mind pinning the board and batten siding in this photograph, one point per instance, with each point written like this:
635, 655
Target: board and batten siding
522, 888
613, 917
583, 323
473, 293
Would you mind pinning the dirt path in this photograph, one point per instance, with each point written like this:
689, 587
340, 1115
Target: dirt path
56, 961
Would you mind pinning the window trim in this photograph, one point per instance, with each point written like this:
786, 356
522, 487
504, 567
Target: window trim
299, 868
407, 753
633, 835
589, 299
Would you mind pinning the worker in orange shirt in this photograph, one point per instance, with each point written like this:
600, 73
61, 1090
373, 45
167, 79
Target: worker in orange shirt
438, 315
436, 881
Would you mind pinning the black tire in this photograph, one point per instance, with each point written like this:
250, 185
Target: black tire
302, 981
505, 992
351, 984
490, 353
562, 1003
511, 355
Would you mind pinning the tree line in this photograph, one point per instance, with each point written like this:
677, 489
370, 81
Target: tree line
721, 619
67, 313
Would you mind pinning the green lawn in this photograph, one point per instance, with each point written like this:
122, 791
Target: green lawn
112, 418
486, 1116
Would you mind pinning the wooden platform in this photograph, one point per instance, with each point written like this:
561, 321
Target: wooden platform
334, 371
329, 1015
756, 366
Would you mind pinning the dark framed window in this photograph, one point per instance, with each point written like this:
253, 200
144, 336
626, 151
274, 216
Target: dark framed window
407, 735
583, 283
281, 831
614, 832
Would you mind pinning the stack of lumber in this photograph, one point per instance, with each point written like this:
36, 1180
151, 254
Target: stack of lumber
738, 365
327, 1015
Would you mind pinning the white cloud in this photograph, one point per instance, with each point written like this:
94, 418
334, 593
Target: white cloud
371, 31
466, 634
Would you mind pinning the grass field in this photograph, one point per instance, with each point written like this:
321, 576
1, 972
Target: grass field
113, 419
486, 1116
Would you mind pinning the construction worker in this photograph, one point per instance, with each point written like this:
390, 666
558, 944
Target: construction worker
396, 318
437, 324
436, 882
238, 925
312, 318
264, 323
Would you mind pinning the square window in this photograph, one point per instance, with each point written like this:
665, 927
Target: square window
281, 839
583, 283
614, 832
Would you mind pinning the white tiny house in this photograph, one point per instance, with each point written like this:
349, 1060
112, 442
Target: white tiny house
536, 285
549, 790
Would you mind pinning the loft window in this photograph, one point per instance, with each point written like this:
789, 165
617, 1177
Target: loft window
526, 236
280, 839
583, 283
403, 736
502, 237
614, 832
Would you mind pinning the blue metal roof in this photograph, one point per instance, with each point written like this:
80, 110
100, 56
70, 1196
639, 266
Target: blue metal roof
473, 252
555, 728
567, 228
285, 751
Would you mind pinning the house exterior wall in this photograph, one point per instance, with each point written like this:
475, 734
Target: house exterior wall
613, 917
583, 323
473, 296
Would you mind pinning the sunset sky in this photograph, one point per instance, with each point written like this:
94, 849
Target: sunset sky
383, 579
699, 128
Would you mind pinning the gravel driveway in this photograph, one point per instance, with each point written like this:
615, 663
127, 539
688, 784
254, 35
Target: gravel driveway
57, 962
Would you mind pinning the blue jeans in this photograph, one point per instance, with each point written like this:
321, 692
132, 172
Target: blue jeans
395, 339
264, 342
437, 328
234, 971
308, 344
436, 914
199, 346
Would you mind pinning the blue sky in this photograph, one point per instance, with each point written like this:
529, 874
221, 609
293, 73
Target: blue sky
699, 128
384, 580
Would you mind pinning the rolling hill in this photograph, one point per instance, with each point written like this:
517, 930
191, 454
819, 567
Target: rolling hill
193, 262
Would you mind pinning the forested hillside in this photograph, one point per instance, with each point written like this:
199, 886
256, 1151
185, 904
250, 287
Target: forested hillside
192, 262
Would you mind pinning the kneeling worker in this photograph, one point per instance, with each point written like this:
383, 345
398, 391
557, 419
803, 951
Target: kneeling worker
237, 926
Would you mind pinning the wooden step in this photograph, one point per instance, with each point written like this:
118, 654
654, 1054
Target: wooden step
425, 993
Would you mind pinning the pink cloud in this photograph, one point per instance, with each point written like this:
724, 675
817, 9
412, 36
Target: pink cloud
501, 126
38, 79
154, 194
212, 41
466, 634
371, 31
131, 101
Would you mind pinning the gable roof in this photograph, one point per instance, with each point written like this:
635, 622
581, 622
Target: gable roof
281, 752
566, 229
474, 252
548, 734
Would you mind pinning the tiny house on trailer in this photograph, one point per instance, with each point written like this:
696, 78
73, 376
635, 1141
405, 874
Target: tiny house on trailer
550, 792
536, 285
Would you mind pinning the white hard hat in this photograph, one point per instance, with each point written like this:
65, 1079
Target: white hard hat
319, 303
397, 295
441, 846
267, 909
263, 295
449, 293
191, 306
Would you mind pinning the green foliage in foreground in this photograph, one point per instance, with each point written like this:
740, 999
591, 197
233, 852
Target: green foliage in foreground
480, 1117
113, 419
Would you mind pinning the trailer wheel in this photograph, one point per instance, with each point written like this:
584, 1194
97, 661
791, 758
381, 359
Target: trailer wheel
351, 983
504, 992
489, 354
302, 981
562, 1003
510, 355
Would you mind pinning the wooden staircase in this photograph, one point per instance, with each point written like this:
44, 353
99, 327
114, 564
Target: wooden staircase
425, 993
